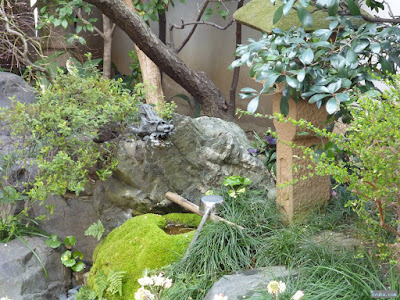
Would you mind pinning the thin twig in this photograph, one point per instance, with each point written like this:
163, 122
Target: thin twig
198, 17
99, 32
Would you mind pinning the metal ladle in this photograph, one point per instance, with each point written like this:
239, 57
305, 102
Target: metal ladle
208, 204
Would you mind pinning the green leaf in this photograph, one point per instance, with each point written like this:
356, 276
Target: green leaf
333, 10
360, 46
70, 240
69, 262
304, 16
271, 79
79, 266
307, 56
317, 97
287, 7
331, 106
351, 56
97, 230
248, 90
291, 81
64, 23
353, 7
342, 97
284, 104
53, 241
387, 66
278, 14
253, 104
301, 75
77, 254
66, 255
232, 181
375, 47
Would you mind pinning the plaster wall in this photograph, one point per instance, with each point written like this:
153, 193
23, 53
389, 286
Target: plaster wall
210, 50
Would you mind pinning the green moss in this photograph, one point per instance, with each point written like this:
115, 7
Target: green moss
139, 244
190, 220
259, 14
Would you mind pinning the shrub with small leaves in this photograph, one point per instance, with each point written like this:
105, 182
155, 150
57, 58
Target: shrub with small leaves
72, 130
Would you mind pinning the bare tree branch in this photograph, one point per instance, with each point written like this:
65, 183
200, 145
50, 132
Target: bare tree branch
183, 25
198, 17
17, 42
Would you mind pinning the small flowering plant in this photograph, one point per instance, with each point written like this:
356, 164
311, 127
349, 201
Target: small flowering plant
276, 288
155, 284
266, 147
237, 184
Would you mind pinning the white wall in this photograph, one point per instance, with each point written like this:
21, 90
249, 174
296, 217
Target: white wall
209, 50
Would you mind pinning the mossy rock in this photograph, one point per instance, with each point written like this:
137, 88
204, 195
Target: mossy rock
139, 244
258, 14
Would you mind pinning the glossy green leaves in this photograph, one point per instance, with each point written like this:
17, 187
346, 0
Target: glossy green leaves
317, 68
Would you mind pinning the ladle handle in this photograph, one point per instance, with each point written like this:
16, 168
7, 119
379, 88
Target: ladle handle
196, 235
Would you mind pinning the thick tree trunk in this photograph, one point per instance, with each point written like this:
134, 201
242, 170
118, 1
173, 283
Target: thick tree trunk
151, 78
107, 37
197, 84
150, 73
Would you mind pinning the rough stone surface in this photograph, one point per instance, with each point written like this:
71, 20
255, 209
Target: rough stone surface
244, 284
13, 85
298, 199
22, 277
203, 152
73, 215
337, 240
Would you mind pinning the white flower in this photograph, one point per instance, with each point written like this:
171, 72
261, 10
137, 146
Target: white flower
220, 296
275, 287
146, 280
298, 296
167, 283
158, 280
143, 294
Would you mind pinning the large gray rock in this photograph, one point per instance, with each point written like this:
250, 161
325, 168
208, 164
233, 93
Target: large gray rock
12, 85
73, 215
244, 284
23, 278
203, 152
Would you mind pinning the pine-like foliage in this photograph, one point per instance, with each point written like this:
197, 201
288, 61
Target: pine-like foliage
95, 230
115, 282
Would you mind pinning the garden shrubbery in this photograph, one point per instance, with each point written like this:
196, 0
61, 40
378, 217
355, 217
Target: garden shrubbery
69, 134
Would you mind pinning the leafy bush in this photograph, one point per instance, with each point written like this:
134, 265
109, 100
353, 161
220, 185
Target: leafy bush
70, 133
322, 66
